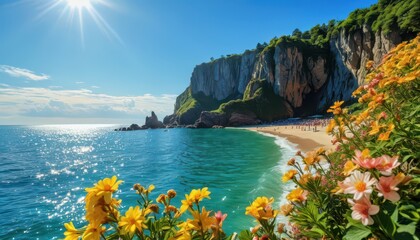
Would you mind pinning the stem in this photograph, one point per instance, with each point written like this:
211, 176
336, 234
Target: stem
199, 221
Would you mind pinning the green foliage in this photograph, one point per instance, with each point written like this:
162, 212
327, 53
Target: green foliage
385, 16
259, 99
184, 102
188, 106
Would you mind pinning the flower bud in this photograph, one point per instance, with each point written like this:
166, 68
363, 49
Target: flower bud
291, 162
280, 228
171, 193
154, 208
161, 198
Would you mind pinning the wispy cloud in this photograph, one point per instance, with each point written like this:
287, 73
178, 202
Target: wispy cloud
94, 87
20, 103
79, 82
22, 72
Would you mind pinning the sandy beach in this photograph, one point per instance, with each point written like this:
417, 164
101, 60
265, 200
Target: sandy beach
306, 139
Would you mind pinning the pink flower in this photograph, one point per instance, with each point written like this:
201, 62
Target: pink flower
362, 210
359, 184
220, 218
387, 164
387, 187
365, 161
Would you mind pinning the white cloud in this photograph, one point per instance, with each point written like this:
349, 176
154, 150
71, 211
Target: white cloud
79, 82
21, 72
79, 105
94, 87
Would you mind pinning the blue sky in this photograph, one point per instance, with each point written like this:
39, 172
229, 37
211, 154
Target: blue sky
129, 56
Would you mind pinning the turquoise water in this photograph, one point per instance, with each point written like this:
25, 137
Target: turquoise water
44, 170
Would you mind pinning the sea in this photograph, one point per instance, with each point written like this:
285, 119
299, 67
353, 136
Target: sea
45, 169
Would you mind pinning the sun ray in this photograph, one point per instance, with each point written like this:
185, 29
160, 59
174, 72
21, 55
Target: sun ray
79, 11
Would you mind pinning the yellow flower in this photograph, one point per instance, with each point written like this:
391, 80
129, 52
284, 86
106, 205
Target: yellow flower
261, 209
71, 232
305, 178
202, 221
186, 204
199, 194
384, 136
149, 189
184, 232
410, 77
289, 175
320, 151
362, 116
331, 126
104, 188
369, 64
133, 220
349, 166
195, 196
357, 91
336, 108
296, 195
311, 158
93, 231
375, 128
96, 213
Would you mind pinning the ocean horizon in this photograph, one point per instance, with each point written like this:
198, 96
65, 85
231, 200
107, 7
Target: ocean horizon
45, 169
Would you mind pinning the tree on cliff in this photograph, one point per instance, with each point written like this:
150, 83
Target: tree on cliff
297, 33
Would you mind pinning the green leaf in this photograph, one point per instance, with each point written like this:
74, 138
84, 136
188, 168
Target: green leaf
245, 235
357, 233
409, 228
385, 221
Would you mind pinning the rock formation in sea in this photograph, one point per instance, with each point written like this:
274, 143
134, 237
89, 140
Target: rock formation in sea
292, 76
151, 122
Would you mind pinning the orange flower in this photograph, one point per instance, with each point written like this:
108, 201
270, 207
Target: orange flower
289, 175
348, 168
336, 108
297, 195
286, 209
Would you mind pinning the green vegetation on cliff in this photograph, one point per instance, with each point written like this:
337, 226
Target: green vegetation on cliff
188, 106
385, 16
259, 99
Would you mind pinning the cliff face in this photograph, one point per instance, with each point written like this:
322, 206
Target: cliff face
350, 52
308, 78
225, 77
291, 73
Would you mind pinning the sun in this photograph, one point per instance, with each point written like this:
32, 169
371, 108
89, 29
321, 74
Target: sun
80, 4
81, 11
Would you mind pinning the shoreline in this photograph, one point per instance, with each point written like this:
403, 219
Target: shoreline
306, 140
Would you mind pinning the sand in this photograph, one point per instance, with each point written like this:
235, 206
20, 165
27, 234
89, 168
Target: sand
305, 140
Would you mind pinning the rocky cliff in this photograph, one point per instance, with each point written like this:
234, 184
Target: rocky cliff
306, 77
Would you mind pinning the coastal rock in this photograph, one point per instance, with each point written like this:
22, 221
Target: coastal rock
170, 119
242, 119
210, 119
153, 122
134, 127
